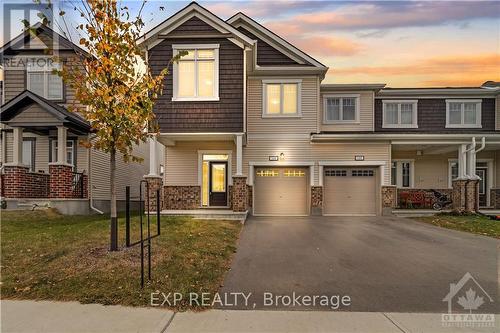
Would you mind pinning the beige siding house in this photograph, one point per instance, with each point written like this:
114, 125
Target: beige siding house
36, 122
270, 139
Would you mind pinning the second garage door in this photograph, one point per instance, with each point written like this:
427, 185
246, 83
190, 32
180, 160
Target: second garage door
281, 191
350, 191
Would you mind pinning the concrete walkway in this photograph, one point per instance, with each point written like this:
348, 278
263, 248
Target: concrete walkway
72, 317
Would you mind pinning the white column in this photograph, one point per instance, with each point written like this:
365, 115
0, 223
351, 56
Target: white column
62, 133
462, 160
239, 155
471, 164
153, 156
17, 152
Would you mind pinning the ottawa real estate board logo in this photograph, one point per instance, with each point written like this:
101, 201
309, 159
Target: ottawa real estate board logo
464, 300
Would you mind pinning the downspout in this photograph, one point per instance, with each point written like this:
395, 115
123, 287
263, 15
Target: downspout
91, 199
468, 166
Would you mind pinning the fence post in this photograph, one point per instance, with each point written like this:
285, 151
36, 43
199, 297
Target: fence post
127, 216
158, 208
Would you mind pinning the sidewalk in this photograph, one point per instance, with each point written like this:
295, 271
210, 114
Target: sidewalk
72, 317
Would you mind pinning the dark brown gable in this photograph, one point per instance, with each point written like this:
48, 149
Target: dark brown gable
225, 115
195, 25
268, 55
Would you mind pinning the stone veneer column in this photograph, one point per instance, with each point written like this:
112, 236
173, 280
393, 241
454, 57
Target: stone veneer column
389, 199
495, 198
472, 196
316, 200
61, 180
239, 194
155, 183
458, 195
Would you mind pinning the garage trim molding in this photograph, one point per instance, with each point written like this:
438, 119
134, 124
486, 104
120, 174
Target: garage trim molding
253, 164
380, 164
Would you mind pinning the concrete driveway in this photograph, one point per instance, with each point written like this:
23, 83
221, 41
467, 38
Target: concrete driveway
382, 263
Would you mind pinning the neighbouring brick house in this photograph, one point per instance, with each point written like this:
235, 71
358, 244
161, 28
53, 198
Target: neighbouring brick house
42, 160
248, 126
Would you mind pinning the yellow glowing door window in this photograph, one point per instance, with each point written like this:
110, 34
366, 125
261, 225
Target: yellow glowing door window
218, 181
205, 183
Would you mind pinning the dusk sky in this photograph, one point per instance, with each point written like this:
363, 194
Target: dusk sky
403, 44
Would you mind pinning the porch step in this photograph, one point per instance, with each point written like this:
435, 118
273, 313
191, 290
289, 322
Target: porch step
210, 214
418, 212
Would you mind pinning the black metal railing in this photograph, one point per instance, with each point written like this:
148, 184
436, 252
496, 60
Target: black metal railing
77, 185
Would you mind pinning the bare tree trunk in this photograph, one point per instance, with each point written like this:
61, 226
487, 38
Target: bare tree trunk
114, 219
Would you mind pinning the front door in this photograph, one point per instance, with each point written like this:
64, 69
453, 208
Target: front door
483, 184
218, 184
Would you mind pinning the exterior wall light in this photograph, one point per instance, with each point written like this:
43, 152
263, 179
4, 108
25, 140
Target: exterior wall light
282, 157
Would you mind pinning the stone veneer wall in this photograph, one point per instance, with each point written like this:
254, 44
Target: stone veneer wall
495, 198
181, 197
446, 191
154, 183
316, 200
18, 182
239, 194
389, 196
465, 195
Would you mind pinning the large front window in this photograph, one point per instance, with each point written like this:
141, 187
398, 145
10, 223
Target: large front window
281, 98
42, 81
341, 109
463, 113
196, 74
399, 114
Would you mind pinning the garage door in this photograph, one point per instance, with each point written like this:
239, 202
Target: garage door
350, 191
281, 191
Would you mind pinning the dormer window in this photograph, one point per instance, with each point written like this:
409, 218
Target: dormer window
42, 81
399, 114
464, 113
196, 74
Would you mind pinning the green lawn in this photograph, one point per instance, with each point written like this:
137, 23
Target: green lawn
476, 224
47, 256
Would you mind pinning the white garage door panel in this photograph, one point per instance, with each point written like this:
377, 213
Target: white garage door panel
345, 194
281, 195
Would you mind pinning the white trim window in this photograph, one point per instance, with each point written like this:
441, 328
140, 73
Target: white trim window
341, 109
452, 171
399, 114
463, 113
196, 74
402, 173
41, 80
281, 98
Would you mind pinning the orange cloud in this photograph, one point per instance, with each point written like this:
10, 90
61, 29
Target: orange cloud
483, 63
465, 70
326, 46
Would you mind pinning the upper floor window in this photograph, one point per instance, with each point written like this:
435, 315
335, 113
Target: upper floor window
341, 109
399, 114
281, 98
463, 113
196, 74
42, 81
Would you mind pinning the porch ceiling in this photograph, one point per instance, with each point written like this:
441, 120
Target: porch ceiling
169, 139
